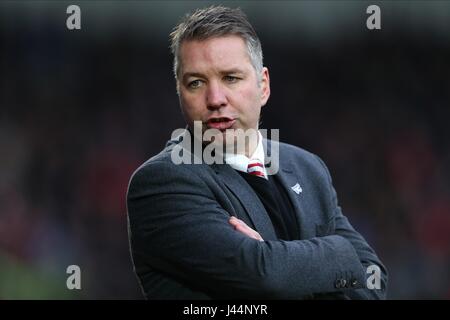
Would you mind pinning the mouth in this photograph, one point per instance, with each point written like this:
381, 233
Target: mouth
220, 123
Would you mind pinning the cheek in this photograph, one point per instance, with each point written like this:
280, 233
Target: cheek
190, 105
250, 99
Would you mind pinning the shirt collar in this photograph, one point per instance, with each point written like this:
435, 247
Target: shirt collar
240, 162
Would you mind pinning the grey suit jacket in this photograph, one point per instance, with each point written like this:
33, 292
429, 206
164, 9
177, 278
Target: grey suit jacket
183, 246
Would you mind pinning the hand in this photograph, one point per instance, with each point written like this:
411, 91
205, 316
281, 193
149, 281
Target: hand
241, 226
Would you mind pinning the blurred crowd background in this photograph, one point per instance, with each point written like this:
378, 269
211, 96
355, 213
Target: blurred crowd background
81, 110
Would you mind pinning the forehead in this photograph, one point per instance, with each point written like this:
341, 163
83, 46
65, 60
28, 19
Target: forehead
226, 52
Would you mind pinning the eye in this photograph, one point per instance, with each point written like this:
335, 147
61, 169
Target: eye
195, 84
230, 79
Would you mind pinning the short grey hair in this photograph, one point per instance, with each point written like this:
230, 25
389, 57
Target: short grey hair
216, 21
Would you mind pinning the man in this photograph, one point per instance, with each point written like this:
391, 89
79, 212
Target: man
236, 229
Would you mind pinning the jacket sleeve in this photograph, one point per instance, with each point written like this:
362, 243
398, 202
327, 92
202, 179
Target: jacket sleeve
366, 254
178, 227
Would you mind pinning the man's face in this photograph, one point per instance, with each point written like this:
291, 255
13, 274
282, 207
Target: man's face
219, 86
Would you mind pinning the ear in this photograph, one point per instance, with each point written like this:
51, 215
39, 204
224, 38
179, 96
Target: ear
265, 86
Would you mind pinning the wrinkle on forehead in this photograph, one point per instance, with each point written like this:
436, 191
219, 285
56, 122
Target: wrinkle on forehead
214, 54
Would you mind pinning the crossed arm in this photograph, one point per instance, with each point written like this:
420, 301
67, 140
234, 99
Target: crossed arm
178, 228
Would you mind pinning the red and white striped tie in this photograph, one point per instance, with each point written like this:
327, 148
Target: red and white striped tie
256, 168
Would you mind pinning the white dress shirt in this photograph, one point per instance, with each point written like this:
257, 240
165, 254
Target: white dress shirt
240, 161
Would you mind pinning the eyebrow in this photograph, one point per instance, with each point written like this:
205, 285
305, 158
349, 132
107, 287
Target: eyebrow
200, 75
192, 74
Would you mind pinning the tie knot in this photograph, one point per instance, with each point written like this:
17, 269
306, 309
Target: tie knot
256, 168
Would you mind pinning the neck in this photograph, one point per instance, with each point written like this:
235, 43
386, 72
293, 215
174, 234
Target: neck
243, 143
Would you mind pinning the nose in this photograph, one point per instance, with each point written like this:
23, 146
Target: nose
215, 96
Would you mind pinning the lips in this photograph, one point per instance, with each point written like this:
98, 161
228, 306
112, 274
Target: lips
220, 123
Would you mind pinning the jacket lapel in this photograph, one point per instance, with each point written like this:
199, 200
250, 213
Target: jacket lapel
240, 188
248, 198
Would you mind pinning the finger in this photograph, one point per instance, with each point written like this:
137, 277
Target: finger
235, 221
242, 227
